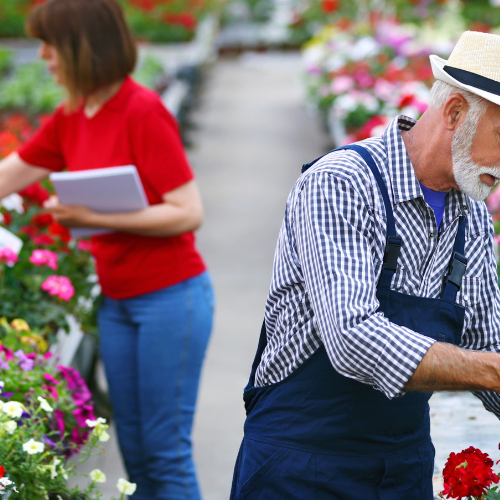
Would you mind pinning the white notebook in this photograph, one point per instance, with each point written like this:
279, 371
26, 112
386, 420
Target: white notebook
107, 190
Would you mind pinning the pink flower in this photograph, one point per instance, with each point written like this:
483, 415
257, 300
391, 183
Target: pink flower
59, 286
44, 258
52, 390
84, 413
8, 256
49, 378
84, 245
342, 84
59, 418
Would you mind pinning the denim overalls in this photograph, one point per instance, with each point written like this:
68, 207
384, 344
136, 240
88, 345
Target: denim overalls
318, 435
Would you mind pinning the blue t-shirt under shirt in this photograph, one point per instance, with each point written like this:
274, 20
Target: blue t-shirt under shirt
436, 200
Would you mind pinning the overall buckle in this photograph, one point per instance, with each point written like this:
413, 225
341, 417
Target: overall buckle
456, 269
392, 251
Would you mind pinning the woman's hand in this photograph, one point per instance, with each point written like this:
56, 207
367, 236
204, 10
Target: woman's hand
70, 215
180, 212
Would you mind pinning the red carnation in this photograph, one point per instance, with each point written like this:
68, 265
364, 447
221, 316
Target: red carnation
2, 471
43, 239
7, 218
60, 231
329, 6
42, 220
35, 193
468, 473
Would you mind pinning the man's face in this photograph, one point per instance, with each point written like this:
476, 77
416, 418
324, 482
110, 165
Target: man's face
476, 154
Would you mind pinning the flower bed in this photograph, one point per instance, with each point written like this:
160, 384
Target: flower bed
362, 77
154, 20
310, 16
46, 416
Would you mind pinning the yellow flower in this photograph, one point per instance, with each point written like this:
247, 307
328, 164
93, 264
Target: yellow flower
35, 340
20, 325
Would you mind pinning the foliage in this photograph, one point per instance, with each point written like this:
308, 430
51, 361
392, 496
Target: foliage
46, 416
6, 60
257, 11
149, 72
22, 280
155, 20
166, 21
361, 78
30, 88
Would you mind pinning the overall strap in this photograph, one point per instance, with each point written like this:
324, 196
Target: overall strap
458, 263
393, 241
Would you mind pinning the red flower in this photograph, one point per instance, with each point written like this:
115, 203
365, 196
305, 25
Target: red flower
329, 6
35, 193
42, 220
468, 473
185, 19
9, 142
43, 239
60, 231
2, 471
19, 125
7, 218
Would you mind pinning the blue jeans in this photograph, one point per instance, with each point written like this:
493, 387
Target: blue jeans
153, 347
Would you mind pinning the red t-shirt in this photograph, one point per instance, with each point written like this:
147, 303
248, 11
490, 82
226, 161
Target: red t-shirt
132, 128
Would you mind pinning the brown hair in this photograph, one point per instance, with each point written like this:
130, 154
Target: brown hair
94, 43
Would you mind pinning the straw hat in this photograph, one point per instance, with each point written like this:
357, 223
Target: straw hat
474, 65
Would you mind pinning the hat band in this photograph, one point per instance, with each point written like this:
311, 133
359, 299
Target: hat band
473, 80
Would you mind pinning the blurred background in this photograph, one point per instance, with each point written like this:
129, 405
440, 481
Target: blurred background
259, 87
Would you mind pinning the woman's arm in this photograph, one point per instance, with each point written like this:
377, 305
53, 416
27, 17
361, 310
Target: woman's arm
180, 212
16, 174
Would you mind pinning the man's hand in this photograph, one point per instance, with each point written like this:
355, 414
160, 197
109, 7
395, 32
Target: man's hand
70, 215
446, 367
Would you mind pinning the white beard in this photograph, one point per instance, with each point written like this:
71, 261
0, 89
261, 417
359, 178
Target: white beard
465, 170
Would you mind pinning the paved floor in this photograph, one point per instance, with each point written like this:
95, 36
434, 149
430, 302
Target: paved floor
253, 135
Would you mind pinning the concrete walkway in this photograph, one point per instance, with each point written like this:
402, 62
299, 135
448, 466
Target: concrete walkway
253, 135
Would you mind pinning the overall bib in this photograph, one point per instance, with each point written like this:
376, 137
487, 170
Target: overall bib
318, 435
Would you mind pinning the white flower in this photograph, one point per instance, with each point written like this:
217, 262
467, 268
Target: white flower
10, 426
13, 409
52, 468
31, 447
125, 487
44, 405
13, 202
5, 481
100, 427
2, 385
98, 476
94, 423
104, 436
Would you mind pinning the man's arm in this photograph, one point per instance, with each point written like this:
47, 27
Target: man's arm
449, 368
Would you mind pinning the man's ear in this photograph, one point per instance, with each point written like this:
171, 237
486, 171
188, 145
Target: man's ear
454, 111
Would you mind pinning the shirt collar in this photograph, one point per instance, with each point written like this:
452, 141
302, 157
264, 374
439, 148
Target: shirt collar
405, 185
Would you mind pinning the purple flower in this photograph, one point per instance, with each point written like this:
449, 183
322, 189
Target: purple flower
4, 365
25, 362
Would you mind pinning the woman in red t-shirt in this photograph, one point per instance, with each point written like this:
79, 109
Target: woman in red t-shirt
156, 318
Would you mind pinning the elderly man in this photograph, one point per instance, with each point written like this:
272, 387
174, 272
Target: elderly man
384, 290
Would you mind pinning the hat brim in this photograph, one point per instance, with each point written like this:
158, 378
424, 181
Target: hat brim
439, 73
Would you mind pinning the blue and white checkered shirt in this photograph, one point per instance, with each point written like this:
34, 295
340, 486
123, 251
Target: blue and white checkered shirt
329, 258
